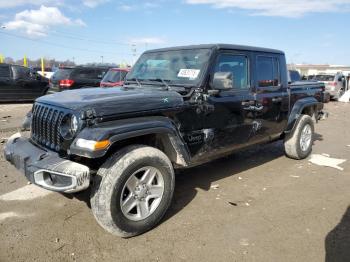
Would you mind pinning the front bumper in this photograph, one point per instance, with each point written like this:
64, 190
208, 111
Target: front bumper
45, 168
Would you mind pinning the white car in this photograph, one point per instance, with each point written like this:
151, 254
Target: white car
335, 83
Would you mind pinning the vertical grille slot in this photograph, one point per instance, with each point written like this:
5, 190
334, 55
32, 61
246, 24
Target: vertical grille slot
46, 122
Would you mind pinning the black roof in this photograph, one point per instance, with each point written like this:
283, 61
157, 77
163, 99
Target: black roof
91, 67
219, 46
5, 64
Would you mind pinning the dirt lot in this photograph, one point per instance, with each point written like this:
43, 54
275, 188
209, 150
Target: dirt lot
257, 205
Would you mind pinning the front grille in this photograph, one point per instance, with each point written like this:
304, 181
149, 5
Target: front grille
46, 121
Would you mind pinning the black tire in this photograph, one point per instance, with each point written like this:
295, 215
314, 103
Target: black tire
292, 142
110, 182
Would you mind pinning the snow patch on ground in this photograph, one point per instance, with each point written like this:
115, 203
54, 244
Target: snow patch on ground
28, 192
325, 160
4, 216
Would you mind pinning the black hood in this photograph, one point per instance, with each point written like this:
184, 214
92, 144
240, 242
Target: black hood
112, 101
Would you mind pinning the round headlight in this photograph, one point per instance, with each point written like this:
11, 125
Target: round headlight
69, 126
73, 124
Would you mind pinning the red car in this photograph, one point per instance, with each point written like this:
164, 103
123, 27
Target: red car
114, 77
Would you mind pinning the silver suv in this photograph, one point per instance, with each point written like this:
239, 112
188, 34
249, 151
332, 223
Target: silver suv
335, 83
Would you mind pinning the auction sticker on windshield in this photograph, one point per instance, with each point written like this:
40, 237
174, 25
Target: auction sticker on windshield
189, 73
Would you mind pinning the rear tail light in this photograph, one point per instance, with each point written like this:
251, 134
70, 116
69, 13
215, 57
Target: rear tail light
334, 83
66, 83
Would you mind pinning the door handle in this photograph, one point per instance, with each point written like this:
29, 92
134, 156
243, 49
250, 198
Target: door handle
258, 108
276, 99
248, 103
252, 106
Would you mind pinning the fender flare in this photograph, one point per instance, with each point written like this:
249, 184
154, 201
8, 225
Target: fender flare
119, 130
298, 108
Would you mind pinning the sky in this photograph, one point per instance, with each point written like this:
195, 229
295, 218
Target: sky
309, 31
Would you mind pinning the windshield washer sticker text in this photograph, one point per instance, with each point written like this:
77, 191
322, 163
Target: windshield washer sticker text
189, 73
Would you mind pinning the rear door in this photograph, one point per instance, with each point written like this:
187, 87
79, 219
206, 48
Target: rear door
272, 97
6, 83
38, 84
27, 87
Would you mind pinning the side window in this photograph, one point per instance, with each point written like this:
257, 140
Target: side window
268, 71
20, 72
86, 73
26, 72
100, 73
4, 71
237, 65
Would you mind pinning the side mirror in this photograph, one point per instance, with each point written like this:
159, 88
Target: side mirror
223, 81
34, 75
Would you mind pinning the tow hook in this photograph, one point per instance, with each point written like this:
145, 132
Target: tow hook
322, 115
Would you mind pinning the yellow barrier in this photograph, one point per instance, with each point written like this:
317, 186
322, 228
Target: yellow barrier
42, 66
25, 61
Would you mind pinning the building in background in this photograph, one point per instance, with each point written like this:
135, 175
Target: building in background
306, 69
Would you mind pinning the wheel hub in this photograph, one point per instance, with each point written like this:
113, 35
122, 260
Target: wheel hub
306, 137
141, 191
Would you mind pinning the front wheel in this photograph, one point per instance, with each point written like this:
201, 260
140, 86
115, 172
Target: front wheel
133, 190
298, 144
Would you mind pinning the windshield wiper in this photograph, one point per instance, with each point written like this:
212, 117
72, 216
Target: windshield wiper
161, 80
136, 80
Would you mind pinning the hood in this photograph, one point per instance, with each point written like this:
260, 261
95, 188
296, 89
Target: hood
112, 101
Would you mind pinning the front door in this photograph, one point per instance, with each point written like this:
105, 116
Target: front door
229, 125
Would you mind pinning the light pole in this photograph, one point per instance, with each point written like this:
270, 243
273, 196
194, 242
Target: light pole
101, 59
134, 51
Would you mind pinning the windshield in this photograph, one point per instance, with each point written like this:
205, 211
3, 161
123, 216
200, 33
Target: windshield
175, 67
113, 76
323, 78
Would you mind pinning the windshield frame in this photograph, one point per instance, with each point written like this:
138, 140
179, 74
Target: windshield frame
201, 78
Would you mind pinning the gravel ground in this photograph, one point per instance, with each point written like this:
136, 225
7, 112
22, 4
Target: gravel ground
256, 205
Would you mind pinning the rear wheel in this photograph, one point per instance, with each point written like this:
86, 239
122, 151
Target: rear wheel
133, 190
298, 144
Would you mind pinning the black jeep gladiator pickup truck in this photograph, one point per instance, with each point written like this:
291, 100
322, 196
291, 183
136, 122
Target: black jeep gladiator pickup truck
179, 107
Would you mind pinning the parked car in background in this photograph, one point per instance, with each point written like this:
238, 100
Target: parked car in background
19, 83
335, 83
294, 77
67, 78
114, 77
